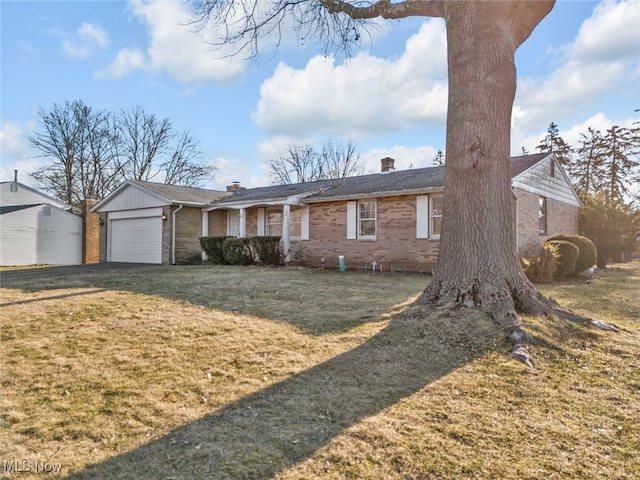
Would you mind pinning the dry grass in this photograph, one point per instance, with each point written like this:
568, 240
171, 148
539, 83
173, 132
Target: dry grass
222, 372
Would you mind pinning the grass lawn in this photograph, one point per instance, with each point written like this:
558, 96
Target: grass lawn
247, 373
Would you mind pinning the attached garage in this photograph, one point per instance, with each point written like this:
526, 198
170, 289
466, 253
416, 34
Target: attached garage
136, 240
155, 223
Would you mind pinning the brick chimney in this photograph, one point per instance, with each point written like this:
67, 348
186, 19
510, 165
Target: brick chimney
234, 187
387, 164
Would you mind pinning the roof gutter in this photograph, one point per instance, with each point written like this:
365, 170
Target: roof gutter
173, 234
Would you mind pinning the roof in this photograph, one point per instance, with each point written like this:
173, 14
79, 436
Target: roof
16, 208
179, 194
384, 183
165, 194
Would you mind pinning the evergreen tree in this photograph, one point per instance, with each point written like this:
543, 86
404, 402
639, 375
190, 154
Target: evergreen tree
619, 161
586, 169
438, 160
554, 143
611, 224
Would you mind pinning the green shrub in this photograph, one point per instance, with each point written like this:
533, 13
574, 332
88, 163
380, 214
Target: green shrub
587, 256
237, 251
214, 248
566, 256
268, 250
540, 267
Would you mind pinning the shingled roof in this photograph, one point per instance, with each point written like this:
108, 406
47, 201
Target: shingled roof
179, 194
378, 184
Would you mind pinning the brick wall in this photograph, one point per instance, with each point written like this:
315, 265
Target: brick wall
561, 218
396, 246
90, 232
188, 233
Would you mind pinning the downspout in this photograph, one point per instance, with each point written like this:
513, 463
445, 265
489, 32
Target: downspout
173, 234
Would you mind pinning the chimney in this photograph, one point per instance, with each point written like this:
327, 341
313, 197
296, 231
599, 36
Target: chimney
15, 177
234, 187
387, 164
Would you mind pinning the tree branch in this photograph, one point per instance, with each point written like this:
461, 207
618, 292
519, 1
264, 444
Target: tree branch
386, 9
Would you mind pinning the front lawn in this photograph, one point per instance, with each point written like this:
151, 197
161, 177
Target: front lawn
226, 372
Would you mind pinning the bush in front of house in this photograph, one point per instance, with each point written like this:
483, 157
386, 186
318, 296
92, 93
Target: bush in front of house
540, 266
237, 251
587, 254
268, 250
566, 254
214, 248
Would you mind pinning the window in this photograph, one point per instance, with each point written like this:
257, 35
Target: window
542, 215
429, 216
295, 222
366, 219
435, 215
274, 222
233, 223
14, 187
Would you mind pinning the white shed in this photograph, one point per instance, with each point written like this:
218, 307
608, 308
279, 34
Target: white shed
36, 229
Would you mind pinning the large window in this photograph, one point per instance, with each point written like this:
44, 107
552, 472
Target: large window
542, 215
366, 219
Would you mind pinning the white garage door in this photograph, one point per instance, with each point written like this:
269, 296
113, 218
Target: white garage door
136, 240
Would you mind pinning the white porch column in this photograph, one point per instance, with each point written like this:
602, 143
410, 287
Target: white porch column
243, 222
205, 229
286, 244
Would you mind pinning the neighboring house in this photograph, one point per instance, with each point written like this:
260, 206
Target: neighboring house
145, 222
36, 228
393, 217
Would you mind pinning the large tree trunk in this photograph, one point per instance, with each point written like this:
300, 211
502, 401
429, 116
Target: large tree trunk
478, 264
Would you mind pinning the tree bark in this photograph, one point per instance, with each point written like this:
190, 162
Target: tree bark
478, 264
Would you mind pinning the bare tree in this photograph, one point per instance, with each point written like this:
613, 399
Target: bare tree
340, 160
92, 151
302, 163
144, 139
82, 146
478, 265
180, 168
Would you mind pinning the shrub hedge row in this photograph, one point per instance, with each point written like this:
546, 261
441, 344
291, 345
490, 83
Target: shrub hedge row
560, 257
243, 251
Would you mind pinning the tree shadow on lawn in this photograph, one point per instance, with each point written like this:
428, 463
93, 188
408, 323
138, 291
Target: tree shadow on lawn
282, 425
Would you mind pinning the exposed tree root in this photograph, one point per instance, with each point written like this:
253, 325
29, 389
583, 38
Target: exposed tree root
504, 304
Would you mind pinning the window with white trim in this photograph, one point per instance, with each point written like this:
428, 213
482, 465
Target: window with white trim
295, 222
429, 215
435, 215
274, 222
366, 219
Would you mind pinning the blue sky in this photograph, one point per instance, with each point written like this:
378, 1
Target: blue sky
580, 68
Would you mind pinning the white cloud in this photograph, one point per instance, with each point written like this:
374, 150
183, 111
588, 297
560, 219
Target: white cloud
174, 47
15, 151
126, 62
363, 96
91, 37
603, 58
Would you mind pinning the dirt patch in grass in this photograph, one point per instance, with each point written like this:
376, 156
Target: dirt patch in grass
202, 372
